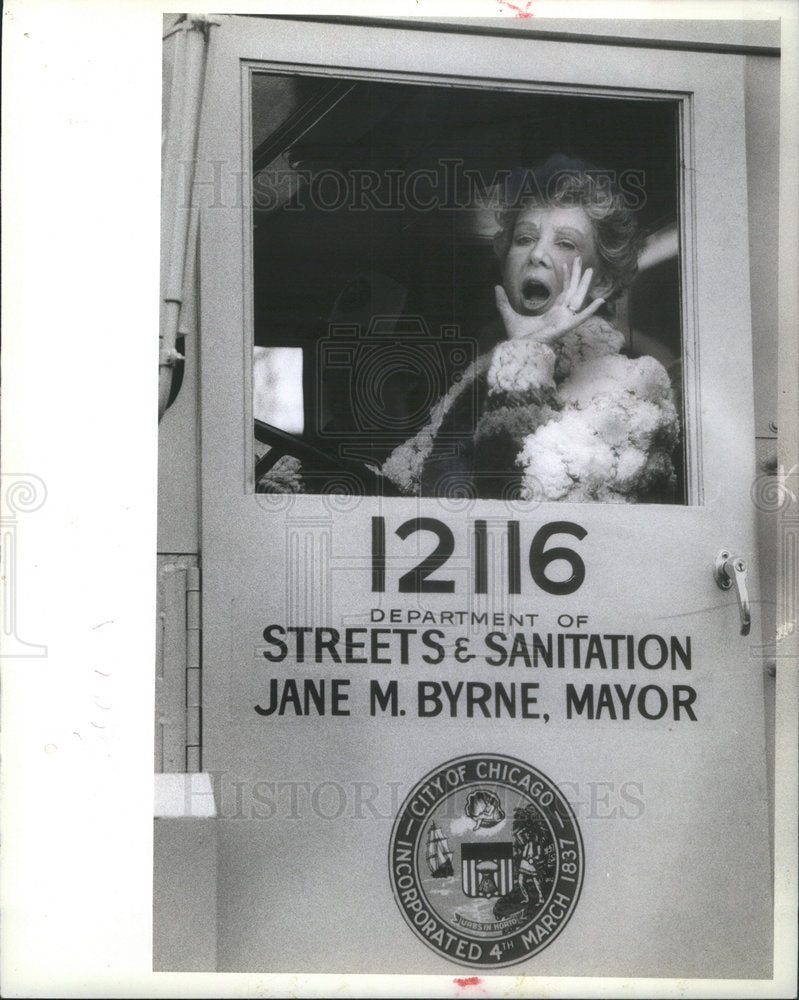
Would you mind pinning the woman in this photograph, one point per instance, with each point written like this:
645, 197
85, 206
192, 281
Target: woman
553, 412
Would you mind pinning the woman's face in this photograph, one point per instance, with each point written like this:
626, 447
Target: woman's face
544, 240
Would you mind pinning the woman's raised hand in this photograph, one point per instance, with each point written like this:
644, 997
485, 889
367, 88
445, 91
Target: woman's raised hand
565, 314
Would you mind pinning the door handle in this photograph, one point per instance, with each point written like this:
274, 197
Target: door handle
729, 569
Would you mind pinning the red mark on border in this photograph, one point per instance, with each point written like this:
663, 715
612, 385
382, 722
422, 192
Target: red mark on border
468, 981
519, 12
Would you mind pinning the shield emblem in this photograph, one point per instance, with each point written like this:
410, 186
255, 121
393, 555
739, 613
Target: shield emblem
487, 869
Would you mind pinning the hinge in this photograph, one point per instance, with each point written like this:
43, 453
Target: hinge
193, 670
178, 686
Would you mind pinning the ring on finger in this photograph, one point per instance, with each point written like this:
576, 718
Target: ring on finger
572, 309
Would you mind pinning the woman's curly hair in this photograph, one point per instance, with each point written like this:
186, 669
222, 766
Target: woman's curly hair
618, 241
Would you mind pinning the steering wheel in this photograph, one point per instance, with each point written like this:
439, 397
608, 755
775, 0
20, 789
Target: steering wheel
327, 472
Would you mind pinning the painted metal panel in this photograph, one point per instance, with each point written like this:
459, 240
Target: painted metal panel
673, 810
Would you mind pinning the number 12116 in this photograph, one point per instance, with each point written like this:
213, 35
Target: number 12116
419, 579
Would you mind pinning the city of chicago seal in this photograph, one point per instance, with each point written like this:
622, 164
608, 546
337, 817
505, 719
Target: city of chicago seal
486, 860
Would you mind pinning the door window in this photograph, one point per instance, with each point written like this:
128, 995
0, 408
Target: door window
378, 211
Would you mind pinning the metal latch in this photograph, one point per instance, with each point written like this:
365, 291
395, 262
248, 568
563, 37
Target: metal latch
729, 569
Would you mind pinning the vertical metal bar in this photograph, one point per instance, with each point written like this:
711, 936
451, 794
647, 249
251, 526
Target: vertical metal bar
378, 554
514, 559
193, 671
480, 557
170, 681
178, 162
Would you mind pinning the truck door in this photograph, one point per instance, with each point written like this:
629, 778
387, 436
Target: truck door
359, 648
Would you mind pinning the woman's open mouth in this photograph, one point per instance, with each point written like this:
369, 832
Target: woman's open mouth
535, 294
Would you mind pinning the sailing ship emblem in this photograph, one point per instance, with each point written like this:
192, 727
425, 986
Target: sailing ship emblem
439, 856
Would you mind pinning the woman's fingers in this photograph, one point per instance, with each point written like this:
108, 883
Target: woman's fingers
577, 273
575, 285
568, 274
504, 306
589, 310
566, 314
567, 319
510, 318
582, 288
